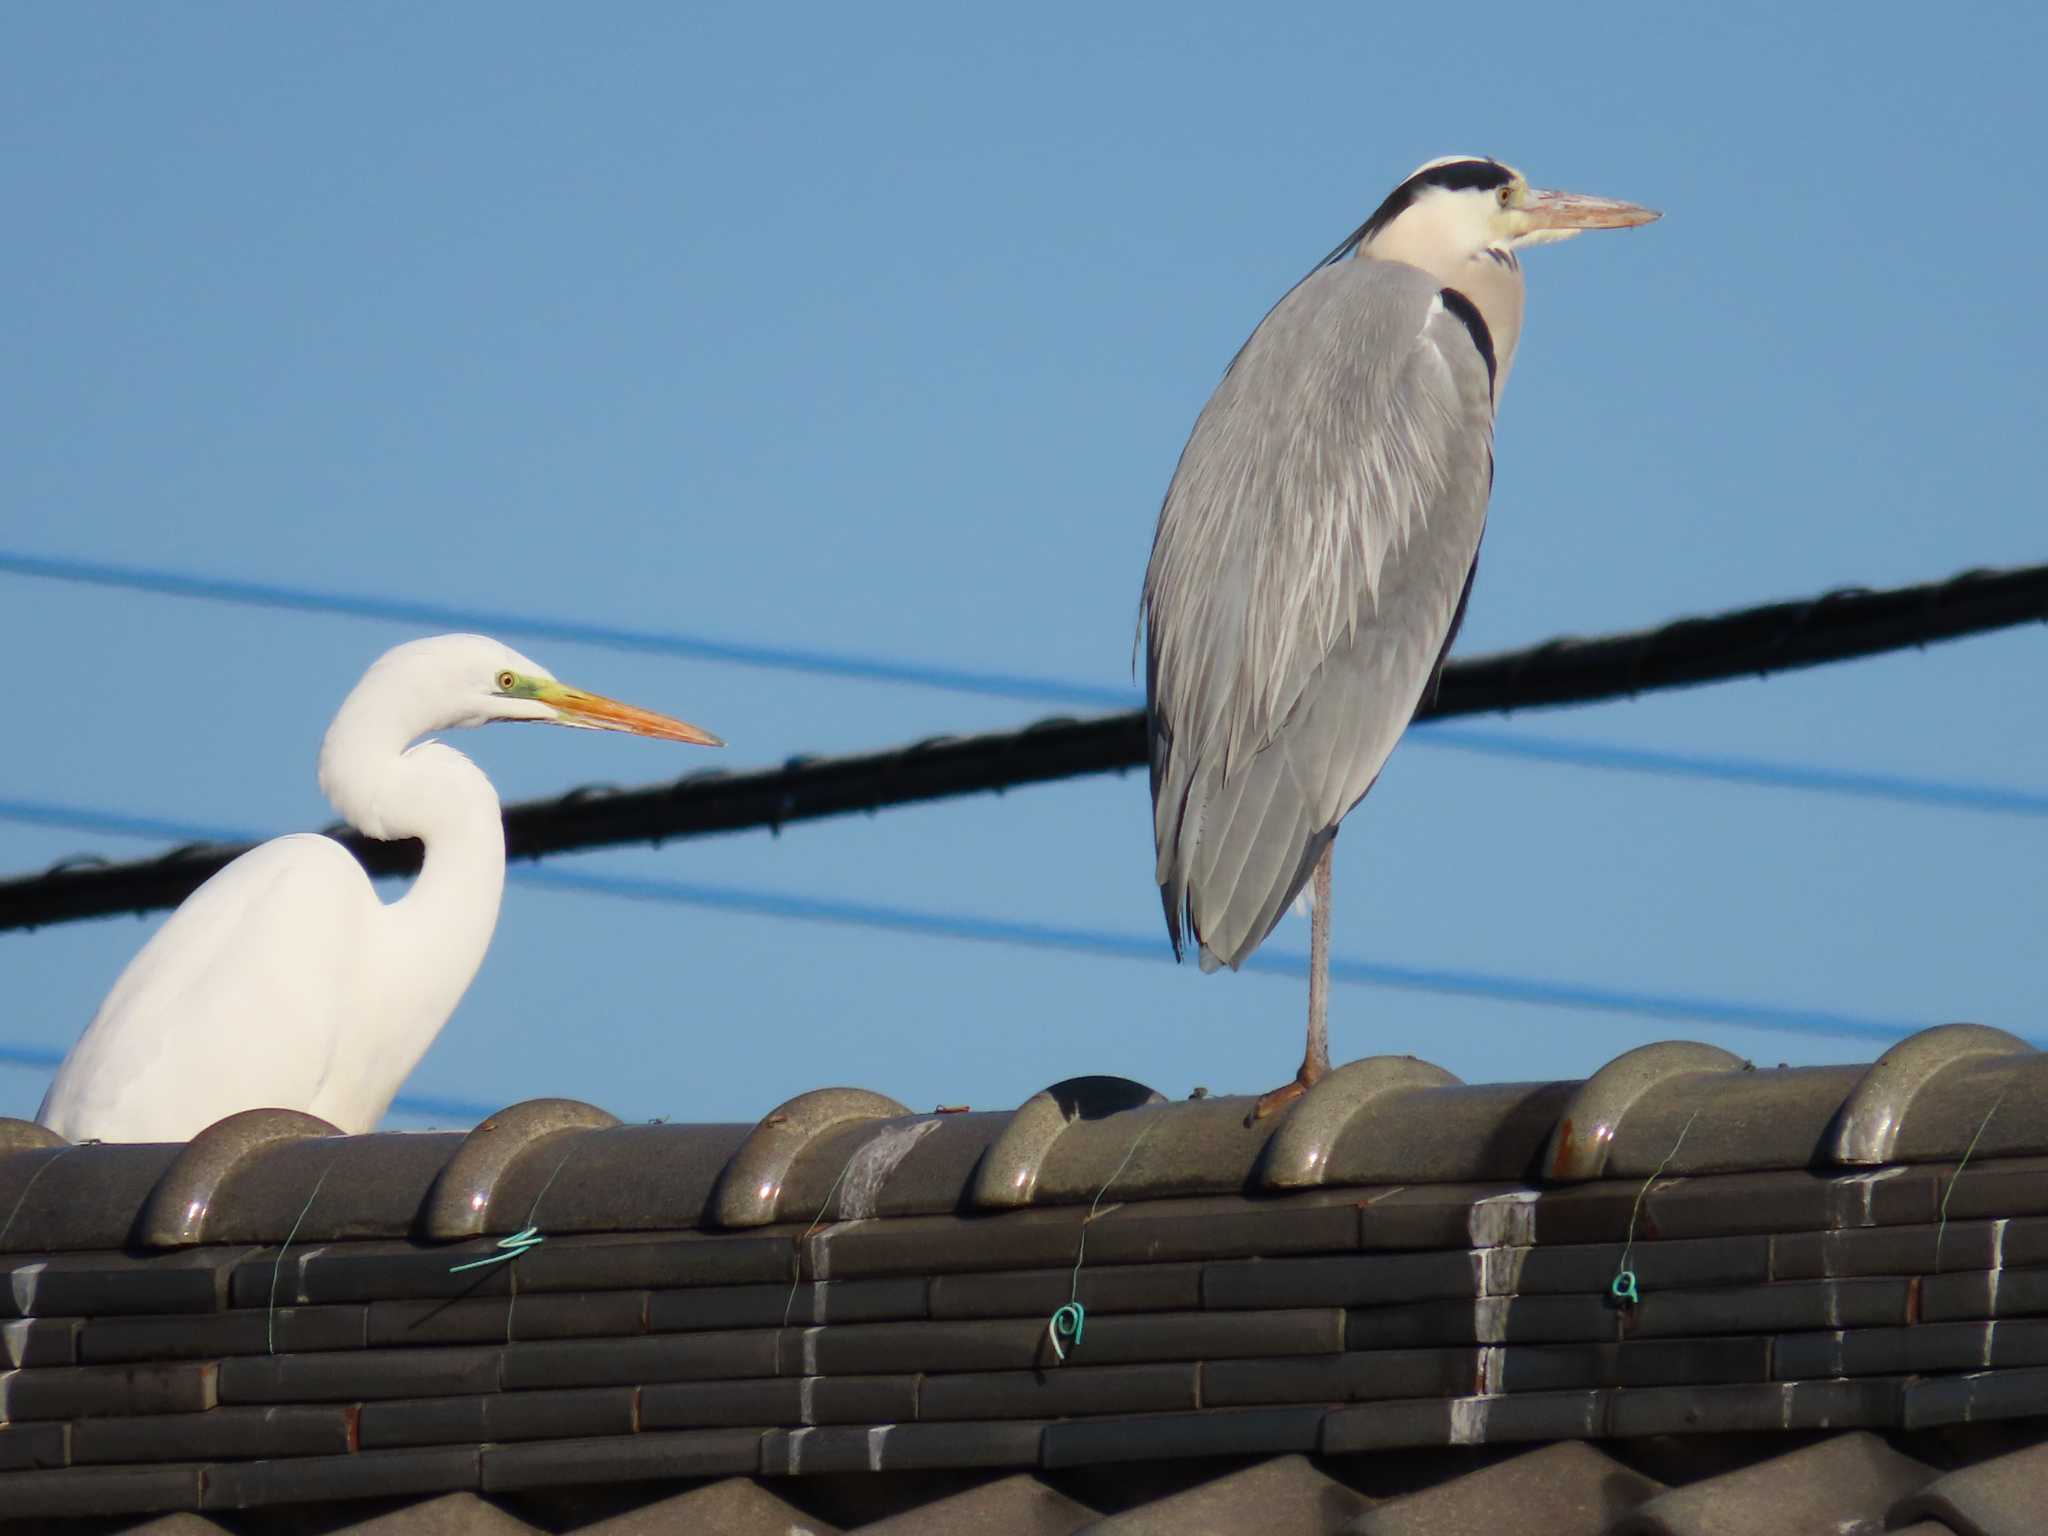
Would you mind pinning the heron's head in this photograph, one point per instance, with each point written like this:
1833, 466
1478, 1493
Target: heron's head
461, 680
1462, 206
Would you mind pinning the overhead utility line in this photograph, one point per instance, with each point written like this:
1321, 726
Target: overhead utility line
1776, 637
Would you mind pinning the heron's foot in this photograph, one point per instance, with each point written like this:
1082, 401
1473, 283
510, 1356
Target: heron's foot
1283, 1096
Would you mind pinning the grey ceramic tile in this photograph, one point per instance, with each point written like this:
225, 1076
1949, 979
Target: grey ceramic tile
1036, 1292
770, 1306
219, 1432
244, 1332
1998, 1293
1224, 1227
1211, 1432
1980, 1396
76, 1491
786, 1401
1863, 1303
359, 1375
1340, 1281
316, 1479
656, 1262
1637, 1411
314, 1273
80, 1391
499, 1416
26, 1447
1691, 1263
1377, 1426
114, 1284
39, 1341
65, 1199
1647, 1362
1494, 1320
629, 1458
497, 1319
1355, 1376
634, 1362
925, 1245
1059, 1392
1882, 1251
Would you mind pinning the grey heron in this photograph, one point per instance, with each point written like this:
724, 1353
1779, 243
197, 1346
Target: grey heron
1316, 549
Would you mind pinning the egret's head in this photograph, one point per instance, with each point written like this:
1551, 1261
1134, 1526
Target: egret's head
461, 680
1465, 205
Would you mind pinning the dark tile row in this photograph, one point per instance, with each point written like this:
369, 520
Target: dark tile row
494, 1459
1888, 1221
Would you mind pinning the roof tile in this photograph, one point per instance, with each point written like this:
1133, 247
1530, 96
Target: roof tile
313, 1479
1827, 1487
217, 1432
98, 1491
1560, 1490
2001, 1497
498, 1416
732, 1506
1285, 1496
622, 1458
1061, 1391
1210, 1432
78, 1391
782, 1400
1018, 1505
356, 1375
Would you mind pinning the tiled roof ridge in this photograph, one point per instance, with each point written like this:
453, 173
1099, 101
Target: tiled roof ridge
1672, 1109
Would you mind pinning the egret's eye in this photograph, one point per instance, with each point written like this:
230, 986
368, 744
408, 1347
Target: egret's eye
1507, 196
506, 680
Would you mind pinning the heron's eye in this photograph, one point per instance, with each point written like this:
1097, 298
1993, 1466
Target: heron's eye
1507, 196
506, 680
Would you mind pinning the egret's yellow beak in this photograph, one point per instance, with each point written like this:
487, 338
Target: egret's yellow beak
594, 711
1575, 210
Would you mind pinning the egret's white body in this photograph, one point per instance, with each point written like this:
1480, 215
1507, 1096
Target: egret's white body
284, 981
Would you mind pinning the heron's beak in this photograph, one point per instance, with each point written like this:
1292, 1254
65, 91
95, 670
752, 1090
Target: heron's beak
596, 712
1576, 211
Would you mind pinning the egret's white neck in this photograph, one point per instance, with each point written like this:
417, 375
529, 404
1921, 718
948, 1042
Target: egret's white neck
434, 937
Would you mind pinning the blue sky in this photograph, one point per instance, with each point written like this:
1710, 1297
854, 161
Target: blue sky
879, 330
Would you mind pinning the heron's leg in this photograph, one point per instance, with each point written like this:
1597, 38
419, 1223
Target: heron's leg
1315, 1056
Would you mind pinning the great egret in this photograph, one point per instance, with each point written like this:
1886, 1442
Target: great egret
1317, 545
283, 981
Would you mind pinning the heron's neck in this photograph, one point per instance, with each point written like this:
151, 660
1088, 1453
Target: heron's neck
1491, 279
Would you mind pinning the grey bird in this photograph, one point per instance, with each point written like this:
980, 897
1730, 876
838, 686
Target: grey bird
1317, 546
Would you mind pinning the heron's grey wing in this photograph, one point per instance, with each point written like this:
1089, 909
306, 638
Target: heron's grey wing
1311, 558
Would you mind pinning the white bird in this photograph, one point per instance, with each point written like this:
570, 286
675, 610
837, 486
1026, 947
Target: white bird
283, 981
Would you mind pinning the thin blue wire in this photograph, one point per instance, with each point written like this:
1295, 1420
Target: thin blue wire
1679, 1007
259, 594
1950, 794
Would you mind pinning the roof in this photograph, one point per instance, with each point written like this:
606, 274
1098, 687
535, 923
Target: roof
1685, 1295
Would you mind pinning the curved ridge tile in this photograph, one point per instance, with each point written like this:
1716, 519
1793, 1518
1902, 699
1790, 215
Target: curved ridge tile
1585, 1133
1986, 1106
1154, 1151
26, 1135
459, 1204
1752, 1121
1866, 1130
1298, 1156
1456, 1133
750, 1187
82, 1195
1007, 1176
175, 1214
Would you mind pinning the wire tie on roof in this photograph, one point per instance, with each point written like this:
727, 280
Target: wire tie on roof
1941, 1230
517, 1245
270, 1313
1066, 1322
1623, 1286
